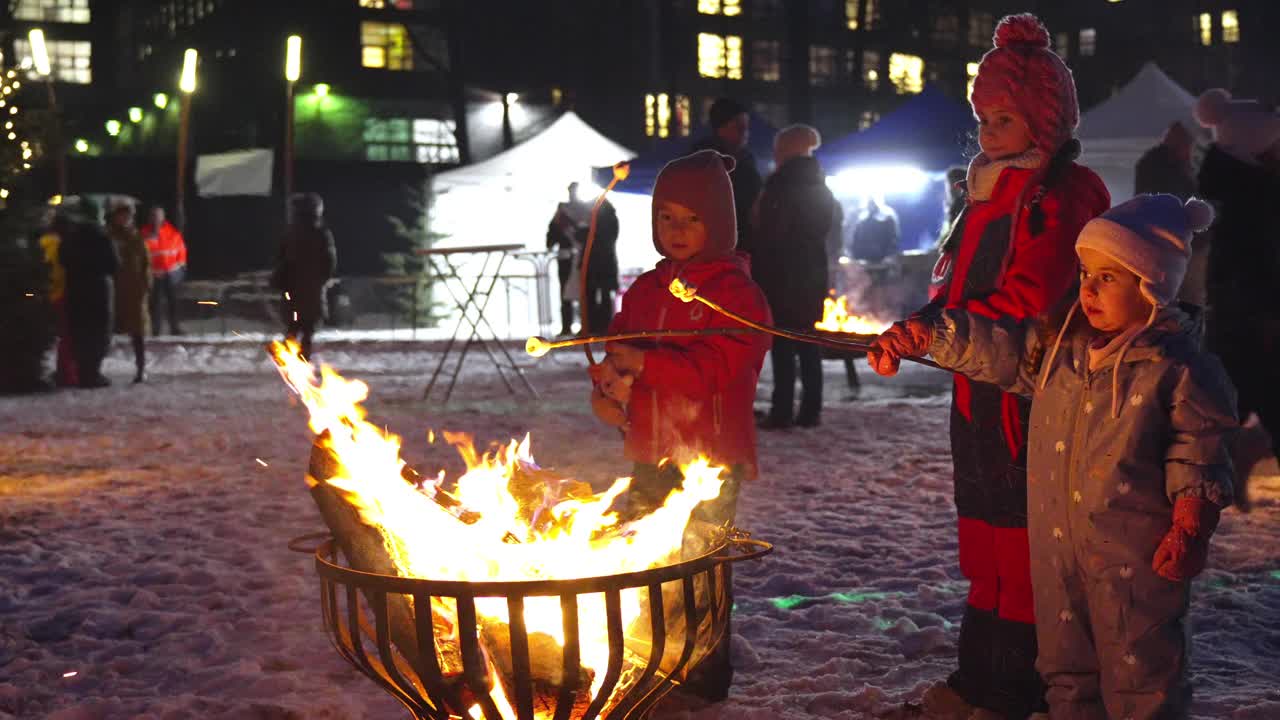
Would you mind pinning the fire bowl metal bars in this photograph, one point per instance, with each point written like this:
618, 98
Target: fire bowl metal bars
429, 647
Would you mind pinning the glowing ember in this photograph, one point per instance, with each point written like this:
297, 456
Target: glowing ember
836, 318
564, 531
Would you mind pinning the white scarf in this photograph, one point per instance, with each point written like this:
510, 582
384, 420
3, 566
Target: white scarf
984, 172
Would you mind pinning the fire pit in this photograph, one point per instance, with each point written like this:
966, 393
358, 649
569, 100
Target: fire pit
460, 678
512, 592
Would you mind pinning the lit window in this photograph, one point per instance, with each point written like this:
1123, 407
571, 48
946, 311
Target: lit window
851, 13
822, 65
423, 140
871, 69
1062, 44
63, 11
684, 121
720, 56
867, 119
664, 115
981, 28
650, 114
766, 60
381, 4
906, 72
385, 45
720, 7
434, 141
870, 14
1204, 26
1230, 26
70, 60
1088, 42
970, 70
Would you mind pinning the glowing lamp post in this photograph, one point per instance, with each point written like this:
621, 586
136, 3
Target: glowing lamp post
292, 71
40, 59
187, 84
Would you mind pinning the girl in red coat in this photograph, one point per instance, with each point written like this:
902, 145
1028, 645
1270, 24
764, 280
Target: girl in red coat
685, 396
1010, 253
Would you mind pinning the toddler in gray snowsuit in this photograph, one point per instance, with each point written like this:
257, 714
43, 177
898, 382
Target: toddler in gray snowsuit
1128, 463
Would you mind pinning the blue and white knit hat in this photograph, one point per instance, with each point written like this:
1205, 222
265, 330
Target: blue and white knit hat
1151, 236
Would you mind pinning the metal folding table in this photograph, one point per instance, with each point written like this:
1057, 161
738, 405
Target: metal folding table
471, 298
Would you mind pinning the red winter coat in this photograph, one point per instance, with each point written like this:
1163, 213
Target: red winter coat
991, 279
695, 394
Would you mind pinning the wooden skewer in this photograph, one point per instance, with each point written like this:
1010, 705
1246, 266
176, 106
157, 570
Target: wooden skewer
620, 172
539, 346
689, 293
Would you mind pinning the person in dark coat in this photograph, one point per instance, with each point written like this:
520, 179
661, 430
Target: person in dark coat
566, 234
1166, 168
307, 261
876, 236
1241, 175
792, 221
133, 281
602, 273
730, 129
90, 261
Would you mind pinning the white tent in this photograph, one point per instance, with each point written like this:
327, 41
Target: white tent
511, 197
1116, 132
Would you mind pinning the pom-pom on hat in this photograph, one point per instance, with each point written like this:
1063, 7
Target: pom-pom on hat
1151, 236
701, 183
1023, 74
1245, 128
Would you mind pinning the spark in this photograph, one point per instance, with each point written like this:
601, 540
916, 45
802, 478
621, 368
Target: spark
73, 673
207, 302
262, 462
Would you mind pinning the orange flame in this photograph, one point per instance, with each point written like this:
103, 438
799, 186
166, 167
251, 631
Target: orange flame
836, 318
563, 538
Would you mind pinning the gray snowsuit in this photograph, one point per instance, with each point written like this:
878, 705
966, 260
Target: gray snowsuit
1100, 491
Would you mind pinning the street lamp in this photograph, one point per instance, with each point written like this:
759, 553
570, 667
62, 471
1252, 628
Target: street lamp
40, 58
292, 71
187, 84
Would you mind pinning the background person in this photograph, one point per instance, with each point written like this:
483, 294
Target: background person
168, 268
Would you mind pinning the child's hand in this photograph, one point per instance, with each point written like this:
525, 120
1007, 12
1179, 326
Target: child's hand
1185, 549
609, 411
906, 338
614, 384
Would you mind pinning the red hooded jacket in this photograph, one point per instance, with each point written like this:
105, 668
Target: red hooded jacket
695, 394
990, 278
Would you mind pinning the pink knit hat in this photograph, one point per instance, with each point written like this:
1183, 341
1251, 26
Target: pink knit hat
1242, 127
1022, 73
700, 182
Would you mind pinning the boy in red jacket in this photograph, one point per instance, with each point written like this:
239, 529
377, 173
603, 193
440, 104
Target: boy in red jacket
681, 397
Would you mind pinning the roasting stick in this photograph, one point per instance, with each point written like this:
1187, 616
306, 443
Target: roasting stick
620, 173
689, 293
539, 346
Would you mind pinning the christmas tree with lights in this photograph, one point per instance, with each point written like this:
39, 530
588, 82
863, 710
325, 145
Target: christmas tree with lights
26, 317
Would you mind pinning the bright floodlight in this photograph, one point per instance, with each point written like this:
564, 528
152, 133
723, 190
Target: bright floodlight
512, 98
322, 89
39, 53
293, 58
113, 127
135, 114
187, 83
878, 181
161, 100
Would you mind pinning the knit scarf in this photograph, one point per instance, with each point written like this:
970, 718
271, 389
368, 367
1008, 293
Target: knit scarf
984, 172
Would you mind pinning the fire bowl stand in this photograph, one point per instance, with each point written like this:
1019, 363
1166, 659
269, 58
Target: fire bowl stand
687, 612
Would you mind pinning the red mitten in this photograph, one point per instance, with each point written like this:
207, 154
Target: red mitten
1185, 549
906, 338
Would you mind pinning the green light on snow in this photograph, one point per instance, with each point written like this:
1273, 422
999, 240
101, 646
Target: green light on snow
790, 602
1275, 574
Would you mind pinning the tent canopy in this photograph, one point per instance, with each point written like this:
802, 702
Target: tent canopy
564, 152
646, 166
930, 131
1116, 132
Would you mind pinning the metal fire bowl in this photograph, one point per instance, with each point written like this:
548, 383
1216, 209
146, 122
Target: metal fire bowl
349, 597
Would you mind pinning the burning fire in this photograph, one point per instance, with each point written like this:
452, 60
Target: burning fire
569, 532
836, 318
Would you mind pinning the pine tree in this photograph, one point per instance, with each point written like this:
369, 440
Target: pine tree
26, 317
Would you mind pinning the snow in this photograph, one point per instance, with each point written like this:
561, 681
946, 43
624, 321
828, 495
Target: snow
143, 532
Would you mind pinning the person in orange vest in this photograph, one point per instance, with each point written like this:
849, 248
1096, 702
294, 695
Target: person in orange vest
168, 267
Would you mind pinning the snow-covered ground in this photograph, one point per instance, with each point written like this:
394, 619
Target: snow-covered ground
144, 573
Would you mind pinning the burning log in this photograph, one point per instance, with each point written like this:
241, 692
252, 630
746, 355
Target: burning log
365, 548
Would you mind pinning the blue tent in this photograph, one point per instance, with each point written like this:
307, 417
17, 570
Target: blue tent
646, 166
930, 131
